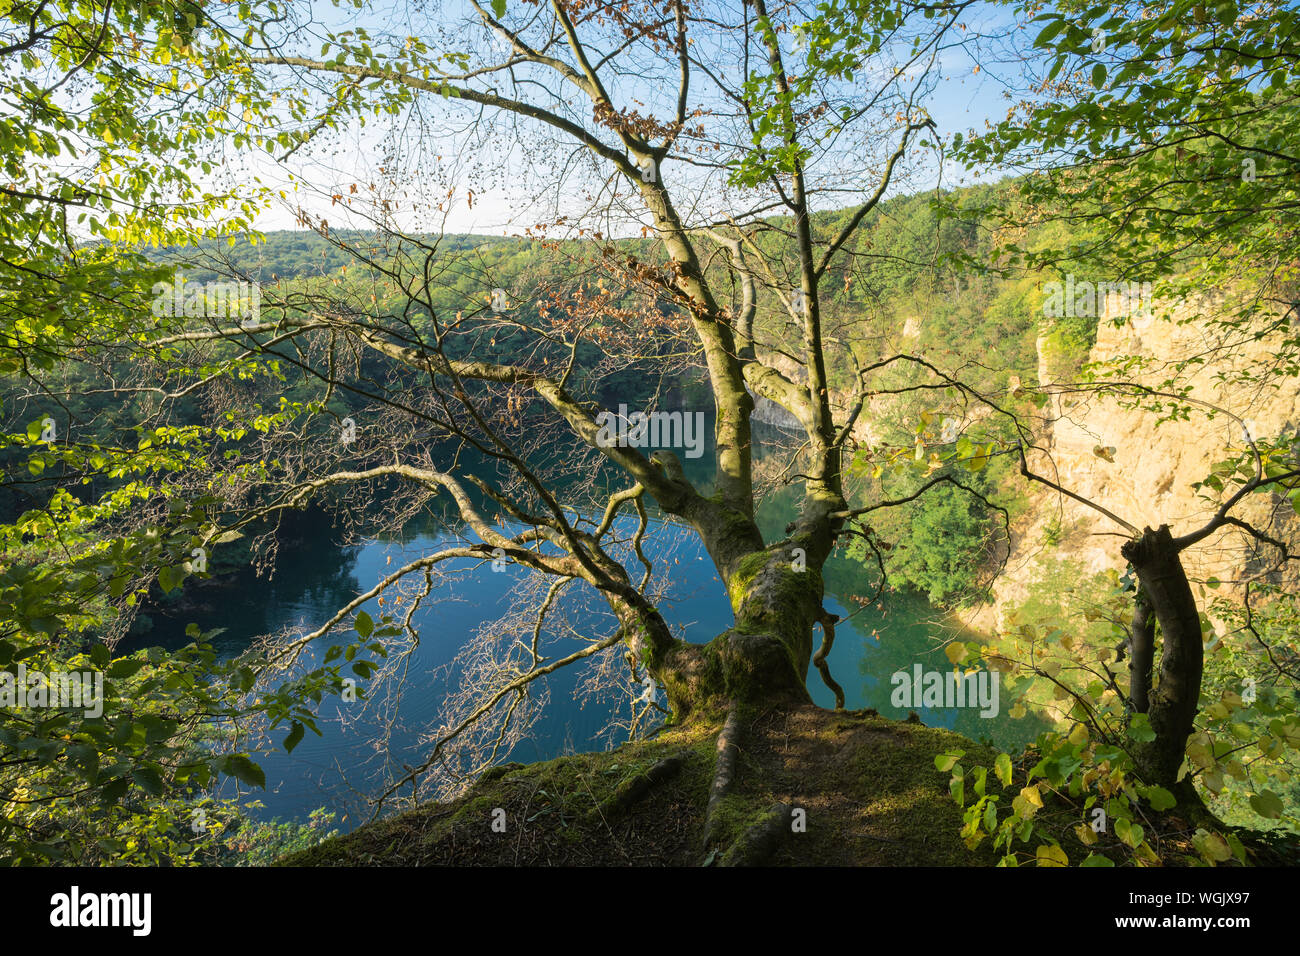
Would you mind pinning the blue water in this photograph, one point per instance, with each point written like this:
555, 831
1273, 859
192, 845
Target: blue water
343, 767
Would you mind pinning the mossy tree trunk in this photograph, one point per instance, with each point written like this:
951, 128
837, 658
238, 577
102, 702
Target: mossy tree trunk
776, 593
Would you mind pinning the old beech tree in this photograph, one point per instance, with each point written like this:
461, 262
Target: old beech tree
713, 126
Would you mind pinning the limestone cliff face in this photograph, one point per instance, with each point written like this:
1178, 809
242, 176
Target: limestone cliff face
1143, 470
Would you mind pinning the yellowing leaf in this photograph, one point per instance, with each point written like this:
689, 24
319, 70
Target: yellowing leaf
1052, 856
1212, 846
1002, 767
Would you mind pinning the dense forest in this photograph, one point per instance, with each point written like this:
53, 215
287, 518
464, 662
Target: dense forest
1059, 408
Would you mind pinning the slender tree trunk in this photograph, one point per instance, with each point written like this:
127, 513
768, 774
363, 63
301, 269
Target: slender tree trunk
1173, 702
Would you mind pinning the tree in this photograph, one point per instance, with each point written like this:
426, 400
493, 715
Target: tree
727, 137
1158, 135
105, 145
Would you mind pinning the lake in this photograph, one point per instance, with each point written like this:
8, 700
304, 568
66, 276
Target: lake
316, 575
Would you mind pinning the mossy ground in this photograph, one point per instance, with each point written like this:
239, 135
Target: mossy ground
868, 787
556, 813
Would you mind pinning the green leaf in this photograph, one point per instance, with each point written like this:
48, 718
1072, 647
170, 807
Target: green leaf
125, 667
945, 761
1134, 836
1160, 798
148, 780
1098, 75
294, 738
86, 759
240, 767
169, 578
365, 626
1140, 729
1267, 804
498, 8
1050, 31
1002, 767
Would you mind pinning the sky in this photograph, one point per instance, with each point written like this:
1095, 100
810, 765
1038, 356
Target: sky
964, 99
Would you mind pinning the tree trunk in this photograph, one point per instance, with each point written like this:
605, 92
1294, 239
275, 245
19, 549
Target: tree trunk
763, 659
1142, 653
1173, 701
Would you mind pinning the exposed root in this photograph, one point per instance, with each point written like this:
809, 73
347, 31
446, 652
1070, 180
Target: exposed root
757, 844
827, 621
723, 774
634, 790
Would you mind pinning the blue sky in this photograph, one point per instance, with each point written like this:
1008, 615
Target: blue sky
964, 98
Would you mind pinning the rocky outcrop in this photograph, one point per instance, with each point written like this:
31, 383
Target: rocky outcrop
1143, 469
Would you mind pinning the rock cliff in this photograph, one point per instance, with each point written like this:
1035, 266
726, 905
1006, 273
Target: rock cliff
1143, 469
